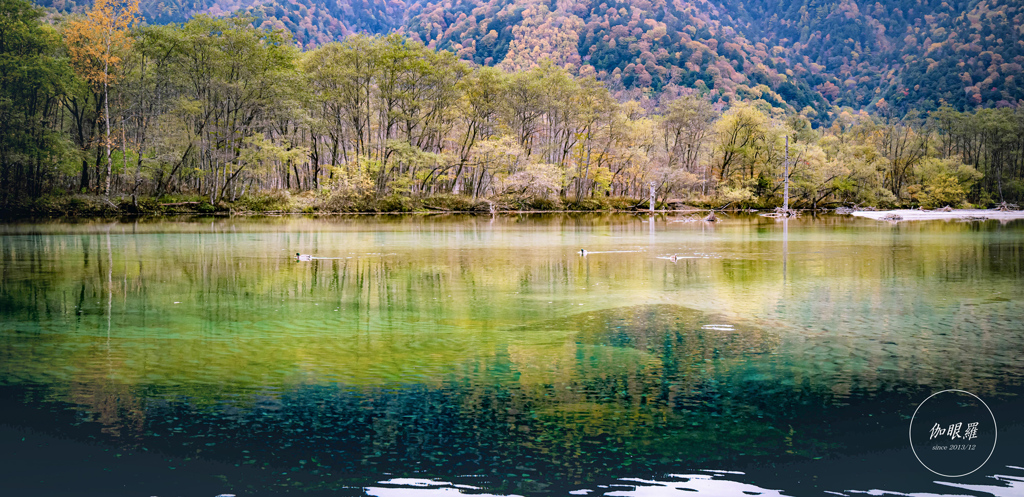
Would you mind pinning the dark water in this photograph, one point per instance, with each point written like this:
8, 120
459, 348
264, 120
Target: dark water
446, 355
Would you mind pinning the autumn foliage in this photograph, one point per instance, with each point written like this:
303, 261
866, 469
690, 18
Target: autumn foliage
98, 42
223, 110
97, 45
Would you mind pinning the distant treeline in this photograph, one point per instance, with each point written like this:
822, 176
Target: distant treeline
220, 113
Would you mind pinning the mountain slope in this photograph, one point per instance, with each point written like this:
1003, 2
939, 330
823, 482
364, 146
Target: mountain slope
801, 55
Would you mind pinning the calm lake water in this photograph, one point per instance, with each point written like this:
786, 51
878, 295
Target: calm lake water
438, 355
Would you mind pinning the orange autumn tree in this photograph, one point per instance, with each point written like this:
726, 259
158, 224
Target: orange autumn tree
97, 45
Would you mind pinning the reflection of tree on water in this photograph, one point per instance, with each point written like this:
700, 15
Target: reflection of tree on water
115, 406
631, 393
665, 349
785, 246
416, 361
643, 381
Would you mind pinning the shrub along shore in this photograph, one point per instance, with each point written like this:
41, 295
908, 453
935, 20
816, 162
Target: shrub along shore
284, 202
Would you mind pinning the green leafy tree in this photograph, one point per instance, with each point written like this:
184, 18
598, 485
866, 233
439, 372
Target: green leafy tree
33, 79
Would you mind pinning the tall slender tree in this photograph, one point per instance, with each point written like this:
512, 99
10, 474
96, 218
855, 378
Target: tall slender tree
97, 45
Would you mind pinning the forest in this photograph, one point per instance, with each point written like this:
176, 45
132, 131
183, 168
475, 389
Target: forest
103, 113
916, 54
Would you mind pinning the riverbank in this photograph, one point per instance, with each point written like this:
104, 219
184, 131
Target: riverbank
283, 202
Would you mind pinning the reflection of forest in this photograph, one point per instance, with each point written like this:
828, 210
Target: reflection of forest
410, 330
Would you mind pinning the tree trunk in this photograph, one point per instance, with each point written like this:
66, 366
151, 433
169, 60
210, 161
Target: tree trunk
106, 114
85, 175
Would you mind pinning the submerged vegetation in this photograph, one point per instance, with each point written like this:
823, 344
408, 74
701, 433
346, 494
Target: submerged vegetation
102, 115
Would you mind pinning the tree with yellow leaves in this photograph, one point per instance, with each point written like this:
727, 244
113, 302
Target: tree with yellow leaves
97, 45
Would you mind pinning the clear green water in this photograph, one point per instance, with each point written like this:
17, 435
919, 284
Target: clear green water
199, 357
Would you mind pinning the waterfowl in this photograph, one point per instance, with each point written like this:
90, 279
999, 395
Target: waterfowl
303, 257
673, 258
583, 252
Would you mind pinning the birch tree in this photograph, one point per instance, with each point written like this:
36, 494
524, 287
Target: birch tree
97, 45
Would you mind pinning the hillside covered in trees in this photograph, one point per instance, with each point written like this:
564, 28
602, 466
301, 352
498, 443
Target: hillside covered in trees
221, 114
798, 55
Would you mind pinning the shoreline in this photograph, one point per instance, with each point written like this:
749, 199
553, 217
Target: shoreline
897, 215
83, 207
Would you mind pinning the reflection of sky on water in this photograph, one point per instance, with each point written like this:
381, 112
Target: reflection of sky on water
421, 487
1008, 486
1013, 486
710, 484
713, 483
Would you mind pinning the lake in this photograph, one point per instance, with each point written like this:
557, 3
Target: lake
447, 354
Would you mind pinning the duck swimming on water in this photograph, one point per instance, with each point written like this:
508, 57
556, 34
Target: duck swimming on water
583, 252
303, 257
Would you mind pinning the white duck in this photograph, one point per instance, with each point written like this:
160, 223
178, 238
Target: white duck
303, 257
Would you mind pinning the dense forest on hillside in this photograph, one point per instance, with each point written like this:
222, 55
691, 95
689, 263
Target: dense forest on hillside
809, 56
220, 114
